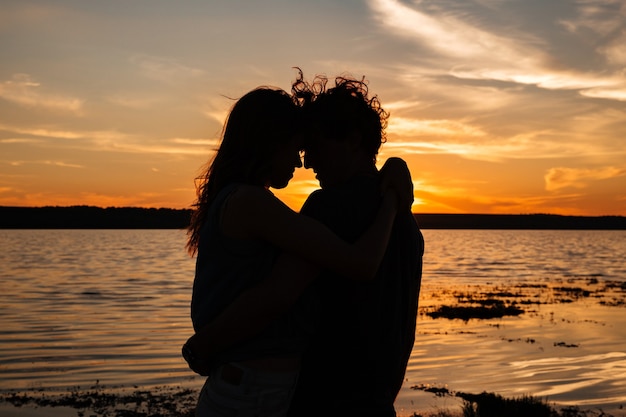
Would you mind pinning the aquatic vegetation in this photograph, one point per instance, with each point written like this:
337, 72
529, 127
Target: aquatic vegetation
108, 401
494, 405
490, 310
488, 404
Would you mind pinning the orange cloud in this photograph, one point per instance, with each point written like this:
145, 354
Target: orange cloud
557, 178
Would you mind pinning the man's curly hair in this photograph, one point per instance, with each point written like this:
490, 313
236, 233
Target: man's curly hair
338, 111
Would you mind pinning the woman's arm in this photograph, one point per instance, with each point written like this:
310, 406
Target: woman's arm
259, 305
253, 310
395, 175
254, 213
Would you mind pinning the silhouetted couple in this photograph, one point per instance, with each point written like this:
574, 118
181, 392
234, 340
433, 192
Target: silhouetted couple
309, 314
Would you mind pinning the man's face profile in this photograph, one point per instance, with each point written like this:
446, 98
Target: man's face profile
329, 159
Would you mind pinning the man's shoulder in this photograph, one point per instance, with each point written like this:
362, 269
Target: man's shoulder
359, 190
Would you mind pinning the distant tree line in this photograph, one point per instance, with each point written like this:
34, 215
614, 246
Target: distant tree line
89, 217
520, 221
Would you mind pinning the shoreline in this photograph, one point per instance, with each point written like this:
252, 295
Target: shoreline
180, 402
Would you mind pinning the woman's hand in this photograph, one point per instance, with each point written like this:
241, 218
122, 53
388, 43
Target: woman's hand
395, 176
196, 362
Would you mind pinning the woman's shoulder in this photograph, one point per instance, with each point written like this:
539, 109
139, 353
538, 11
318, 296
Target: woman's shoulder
247, 194
251, 212
250, 200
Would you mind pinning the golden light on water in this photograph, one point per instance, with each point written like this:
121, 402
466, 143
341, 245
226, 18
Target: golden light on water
111, 308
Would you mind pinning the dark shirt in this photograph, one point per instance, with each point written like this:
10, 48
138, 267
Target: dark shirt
356, 362
227, 267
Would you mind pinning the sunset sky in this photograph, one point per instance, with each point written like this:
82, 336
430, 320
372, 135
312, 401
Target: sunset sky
498, 106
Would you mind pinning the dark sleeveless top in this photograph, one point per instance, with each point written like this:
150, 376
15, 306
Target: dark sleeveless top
225, 267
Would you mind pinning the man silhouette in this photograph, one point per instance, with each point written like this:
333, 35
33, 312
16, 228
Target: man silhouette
356, 360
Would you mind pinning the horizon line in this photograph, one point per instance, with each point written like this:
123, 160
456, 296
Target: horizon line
413, 212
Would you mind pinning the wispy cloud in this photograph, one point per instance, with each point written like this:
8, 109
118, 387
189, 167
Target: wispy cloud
541, 144
20, 140
603, 17
407, 127
562, 177
165, 69
164, 148
42, 132
451, 36
133, 102
196, 142
24, 90
113, 140
473, 151
614, 51
541, 77
217, 108
483, 203
612, 94
61, 164
468, 51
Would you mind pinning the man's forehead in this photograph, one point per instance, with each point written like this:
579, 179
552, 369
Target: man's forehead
308, 142
316, 140
298, 140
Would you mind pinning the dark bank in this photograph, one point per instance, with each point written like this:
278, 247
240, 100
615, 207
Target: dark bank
90, 217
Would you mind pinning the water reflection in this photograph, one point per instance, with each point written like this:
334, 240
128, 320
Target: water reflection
79, 306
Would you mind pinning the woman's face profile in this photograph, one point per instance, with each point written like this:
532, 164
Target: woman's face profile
285, 161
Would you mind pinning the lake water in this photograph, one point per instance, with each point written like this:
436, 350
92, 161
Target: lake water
80, 307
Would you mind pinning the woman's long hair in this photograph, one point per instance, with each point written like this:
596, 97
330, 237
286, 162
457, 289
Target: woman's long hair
259, 123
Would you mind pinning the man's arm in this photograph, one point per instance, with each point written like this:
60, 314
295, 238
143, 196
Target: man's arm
253, 310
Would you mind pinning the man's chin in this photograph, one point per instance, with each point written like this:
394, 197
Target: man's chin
320, 181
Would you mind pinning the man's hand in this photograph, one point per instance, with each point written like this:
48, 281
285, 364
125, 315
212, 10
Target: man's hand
395, 176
